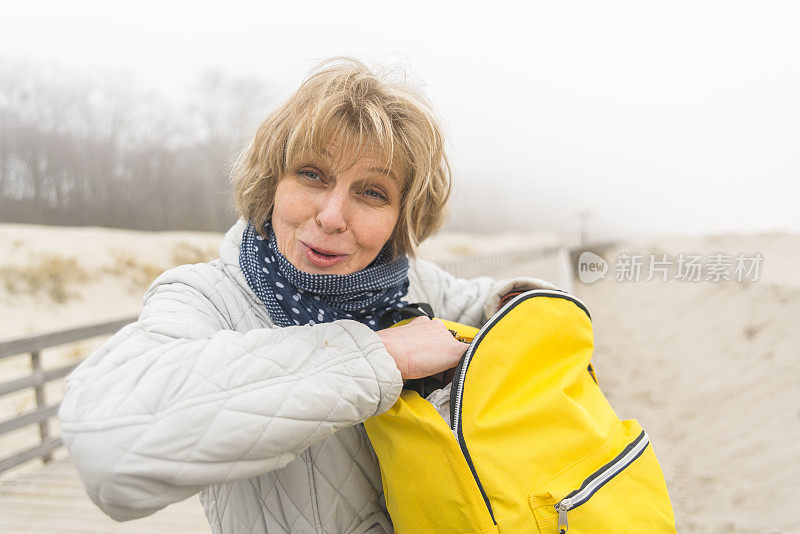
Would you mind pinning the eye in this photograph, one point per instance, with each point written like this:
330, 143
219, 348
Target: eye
311, 175
374, 193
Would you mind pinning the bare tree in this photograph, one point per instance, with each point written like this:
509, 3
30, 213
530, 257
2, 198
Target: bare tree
77, 150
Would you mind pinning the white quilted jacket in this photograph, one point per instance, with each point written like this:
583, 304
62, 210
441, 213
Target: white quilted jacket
205, 394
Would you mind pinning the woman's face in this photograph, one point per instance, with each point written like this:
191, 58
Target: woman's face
335, 224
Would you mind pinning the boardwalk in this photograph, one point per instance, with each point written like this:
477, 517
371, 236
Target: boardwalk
51, 500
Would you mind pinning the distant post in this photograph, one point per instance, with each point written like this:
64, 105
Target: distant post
583, 218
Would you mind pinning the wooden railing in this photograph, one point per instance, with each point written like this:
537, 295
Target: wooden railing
33, 345
486, 264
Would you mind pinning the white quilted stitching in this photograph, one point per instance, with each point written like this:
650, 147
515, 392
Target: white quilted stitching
348, 484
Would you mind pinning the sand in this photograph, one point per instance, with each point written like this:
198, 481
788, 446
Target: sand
711, 370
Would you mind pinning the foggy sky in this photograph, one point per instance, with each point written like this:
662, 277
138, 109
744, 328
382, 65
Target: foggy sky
659, 119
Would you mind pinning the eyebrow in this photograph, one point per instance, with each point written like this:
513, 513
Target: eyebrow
381, 170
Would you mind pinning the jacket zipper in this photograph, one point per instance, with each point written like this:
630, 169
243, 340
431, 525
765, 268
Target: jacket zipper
457, 389
600, 478
313, 487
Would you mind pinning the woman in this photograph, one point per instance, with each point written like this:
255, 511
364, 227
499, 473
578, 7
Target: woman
246, 379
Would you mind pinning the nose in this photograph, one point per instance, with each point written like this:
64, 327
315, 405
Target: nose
333, 212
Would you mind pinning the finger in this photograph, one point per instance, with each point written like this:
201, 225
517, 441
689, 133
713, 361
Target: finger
450, 333
422, 319
440, 326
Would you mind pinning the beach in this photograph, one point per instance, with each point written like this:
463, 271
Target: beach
710, 368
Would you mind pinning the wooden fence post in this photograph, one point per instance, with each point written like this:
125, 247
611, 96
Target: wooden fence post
41, 401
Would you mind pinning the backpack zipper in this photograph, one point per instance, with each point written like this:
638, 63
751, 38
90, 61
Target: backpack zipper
457, 388
600, 478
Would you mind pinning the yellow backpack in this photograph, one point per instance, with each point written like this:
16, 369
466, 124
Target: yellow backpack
532, 444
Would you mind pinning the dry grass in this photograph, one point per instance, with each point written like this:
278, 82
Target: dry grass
48, 274
58, 278
76, 353
139, 274
184, 253
461, 250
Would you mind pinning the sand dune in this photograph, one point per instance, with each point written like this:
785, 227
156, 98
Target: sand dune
104, 272
712, 371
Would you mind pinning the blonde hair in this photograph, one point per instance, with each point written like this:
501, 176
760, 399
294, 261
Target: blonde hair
343, 103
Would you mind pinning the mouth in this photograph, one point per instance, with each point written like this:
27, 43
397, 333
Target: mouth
321, 257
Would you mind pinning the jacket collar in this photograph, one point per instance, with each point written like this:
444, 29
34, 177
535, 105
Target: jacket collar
229, 256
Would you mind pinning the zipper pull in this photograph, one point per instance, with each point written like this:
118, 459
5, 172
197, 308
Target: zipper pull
563, 527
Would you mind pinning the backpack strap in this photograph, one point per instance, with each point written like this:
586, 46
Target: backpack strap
409, 311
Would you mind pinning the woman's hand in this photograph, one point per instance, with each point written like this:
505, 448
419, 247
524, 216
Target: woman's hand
423, 347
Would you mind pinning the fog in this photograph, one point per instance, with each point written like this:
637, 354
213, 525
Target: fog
679, 118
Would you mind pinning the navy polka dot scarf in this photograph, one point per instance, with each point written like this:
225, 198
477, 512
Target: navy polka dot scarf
294, 297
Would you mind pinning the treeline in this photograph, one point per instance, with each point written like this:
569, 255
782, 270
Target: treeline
82, 150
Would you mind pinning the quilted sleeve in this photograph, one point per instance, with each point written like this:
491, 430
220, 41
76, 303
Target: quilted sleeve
468, 301
178, 401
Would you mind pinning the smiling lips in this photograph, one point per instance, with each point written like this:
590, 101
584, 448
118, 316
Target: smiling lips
322, 258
